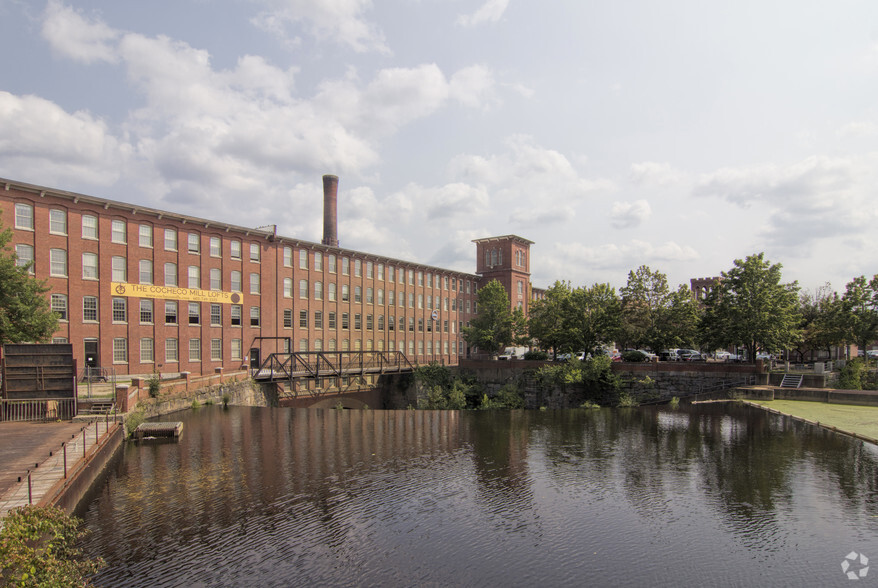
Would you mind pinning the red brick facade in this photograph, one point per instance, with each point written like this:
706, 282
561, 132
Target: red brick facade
295, 295
507, 260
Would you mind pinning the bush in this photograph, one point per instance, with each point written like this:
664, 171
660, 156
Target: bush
633, 355
134, 420
855, 375
38, 548
509, 396
154, 384
536, 355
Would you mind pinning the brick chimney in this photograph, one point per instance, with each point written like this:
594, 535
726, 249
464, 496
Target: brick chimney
330, 210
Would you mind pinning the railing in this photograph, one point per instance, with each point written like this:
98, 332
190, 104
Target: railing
320, 364
37, 409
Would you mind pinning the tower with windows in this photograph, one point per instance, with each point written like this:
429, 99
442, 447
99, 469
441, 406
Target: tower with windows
507, 260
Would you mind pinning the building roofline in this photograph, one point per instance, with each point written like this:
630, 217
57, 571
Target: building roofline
504, 238
105, 203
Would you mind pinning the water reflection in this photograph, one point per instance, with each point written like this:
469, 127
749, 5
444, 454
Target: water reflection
717, 494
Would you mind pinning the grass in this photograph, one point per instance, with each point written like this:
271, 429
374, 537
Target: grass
854, 419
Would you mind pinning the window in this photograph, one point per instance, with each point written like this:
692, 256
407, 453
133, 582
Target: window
235, 246
58, 221
358, 321
331, 264
318, 290
59, 340
331, 321
369, 298
216, 247
170, 274
411, 277
303, 259
380, 322
216, 278
303, 288
144, 236
288, 287
146, 271
358, 294
358, 268
89, 226
254, 283
390, 294
193, 243
420, 301
303, 344
119, 267
380, 271
235, 315
59, 306
90, 309
254, 252
420, 278
194, 277
216, 349
369, 269
171, 354
318, 261
236, 349
420, 325
147, 351
24, 216
254, 316
391, 323
236, 281
118, 232
194, 349
89, 266
145, 310
331, 292
389, 273
288, 318
170, 240
194, 313
380, 300
58, 263
345, 266
411, 324
24, 256
411, 299
303, 319
288, 257
429, 280
368, 322
318, 319
345, 293
520, 287
429, 302
318, 345
216, 315
120, 310
345, 321
120, 350
420, 347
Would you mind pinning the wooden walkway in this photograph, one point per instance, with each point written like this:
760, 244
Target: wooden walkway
36, 448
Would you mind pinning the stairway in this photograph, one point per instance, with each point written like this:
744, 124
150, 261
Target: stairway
792, 381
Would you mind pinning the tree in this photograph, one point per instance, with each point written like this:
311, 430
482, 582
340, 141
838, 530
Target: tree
493, 328
25, 314
751, 307
822, 324
546, 319
653, 315
860, 311
592, 317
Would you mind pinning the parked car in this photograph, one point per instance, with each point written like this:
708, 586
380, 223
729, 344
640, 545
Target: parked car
727, 356
692, 356
669, 355
764, 356
872, 353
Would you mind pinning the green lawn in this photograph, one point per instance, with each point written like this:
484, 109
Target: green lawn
855, 419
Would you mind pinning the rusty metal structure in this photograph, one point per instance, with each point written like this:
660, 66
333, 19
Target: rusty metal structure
38, 382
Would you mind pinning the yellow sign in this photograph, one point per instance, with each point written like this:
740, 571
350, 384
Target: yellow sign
175, 293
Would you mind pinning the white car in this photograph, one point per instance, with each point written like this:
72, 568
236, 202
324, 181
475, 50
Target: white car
726, 356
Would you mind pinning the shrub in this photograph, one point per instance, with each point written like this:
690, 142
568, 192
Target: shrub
38, 548
853, 375
536, 355
509, 396
634, 355
154, 384
226, 398
133, 420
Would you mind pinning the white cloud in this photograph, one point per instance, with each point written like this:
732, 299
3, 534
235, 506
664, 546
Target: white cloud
472, 86
650, 172
342, 21
490, 11
71, 35
626, 215
40, 140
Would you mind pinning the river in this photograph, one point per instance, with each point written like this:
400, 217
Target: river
707, 495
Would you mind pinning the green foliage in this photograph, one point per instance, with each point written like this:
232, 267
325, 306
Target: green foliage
558, 375
634, 355
589, 405
195, 404
654, 316
509, 396
536, 355
134, 419
855, 375
495, 326
592, 317
441, 391
226, 399
546, 319
38, 548
599, 380
154, 383
627, 401
860, 311
751, 307
25, 314
823, 321
674, 403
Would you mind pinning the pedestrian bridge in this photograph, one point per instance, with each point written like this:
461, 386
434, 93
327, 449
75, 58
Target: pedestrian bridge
323, 371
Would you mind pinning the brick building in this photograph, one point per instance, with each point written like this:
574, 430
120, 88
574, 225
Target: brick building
143, 290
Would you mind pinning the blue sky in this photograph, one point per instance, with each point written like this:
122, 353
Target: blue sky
680, 135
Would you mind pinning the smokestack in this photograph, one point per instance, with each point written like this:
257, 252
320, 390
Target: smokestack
330, 210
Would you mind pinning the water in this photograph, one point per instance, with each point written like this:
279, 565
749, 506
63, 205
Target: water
720, 495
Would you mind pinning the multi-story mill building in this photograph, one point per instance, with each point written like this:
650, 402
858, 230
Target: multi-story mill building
142, 290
